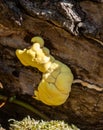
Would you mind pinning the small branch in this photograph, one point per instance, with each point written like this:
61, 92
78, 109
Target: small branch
88, 85
4, 98
25, 105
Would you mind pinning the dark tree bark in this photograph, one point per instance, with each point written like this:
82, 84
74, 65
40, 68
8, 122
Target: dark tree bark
72, 30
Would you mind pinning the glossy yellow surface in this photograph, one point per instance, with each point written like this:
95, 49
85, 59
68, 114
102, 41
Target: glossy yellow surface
57, 78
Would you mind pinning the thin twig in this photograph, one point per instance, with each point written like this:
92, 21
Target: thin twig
25, 105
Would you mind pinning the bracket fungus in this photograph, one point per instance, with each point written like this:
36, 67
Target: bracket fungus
57, 77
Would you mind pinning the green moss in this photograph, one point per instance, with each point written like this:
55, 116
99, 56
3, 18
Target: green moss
32, 124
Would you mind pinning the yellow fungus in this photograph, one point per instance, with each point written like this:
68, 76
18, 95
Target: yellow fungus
57, 77
38, 40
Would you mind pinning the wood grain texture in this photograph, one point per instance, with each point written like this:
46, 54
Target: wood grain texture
82, 53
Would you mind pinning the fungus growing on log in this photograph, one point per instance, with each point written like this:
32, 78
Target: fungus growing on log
57, 78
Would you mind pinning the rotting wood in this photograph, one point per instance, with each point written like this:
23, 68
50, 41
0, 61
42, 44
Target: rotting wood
84, 55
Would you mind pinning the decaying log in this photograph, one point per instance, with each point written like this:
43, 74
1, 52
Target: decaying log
73, 33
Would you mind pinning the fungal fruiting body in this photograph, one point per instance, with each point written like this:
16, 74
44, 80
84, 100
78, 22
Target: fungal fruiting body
57, 78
